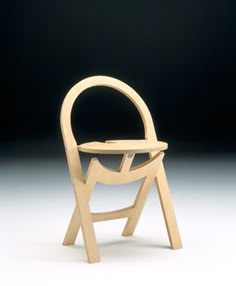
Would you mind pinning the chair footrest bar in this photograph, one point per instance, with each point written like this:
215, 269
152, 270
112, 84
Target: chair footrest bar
117, 214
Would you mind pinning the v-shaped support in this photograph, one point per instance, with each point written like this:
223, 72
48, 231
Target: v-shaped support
86, 218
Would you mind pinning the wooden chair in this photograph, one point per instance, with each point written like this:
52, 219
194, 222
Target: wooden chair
151, 170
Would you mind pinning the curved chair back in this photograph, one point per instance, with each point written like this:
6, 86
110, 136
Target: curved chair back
105, 81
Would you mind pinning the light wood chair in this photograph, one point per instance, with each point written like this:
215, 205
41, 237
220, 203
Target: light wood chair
150, 171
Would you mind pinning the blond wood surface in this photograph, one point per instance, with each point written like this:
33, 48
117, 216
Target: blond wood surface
126, 162
122, 147
83, 186
167, 208
117, 214
142, 197
73, 228
112, 177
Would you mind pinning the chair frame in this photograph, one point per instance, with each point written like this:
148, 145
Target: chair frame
152, 170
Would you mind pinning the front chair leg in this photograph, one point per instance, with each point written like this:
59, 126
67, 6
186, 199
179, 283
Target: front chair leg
88, 230
75, 222
167, 209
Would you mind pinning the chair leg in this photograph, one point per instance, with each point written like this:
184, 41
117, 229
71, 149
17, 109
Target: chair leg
88, 230
73, 228
138, 205
82, 216
167, 208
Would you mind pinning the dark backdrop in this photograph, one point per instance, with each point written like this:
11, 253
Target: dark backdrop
178, 55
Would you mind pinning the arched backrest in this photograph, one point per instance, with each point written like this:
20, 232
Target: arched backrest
105, 81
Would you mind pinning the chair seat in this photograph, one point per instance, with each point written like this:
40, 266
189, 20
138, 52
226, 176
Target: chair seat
122, 146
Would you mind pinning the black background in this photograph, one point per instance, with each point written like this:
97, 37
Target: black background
178, 55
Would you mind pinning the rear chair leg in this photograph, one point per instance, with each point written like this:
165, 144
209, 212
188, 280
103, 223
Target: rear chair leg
138, 205
73, 228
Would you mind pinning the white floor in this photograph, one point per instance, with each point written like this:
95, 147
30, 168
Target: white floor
36, 202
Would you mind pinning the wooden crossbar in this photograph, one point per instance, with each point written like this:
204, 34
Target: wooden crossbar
111, 215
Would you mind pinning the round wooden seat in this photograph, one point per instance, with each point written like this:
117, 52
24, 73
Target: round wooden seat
122, 146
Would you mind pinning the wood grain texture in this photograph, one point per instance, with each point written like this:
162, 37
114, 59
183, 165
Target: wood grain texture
150, 170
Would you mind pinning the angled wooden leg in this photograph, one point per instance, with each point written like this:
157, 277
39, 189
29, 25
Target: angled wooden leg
167, 208
88, 229
82, 218
73, 228
138, 205
83, 194
86, 223
75, 222
141, 199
